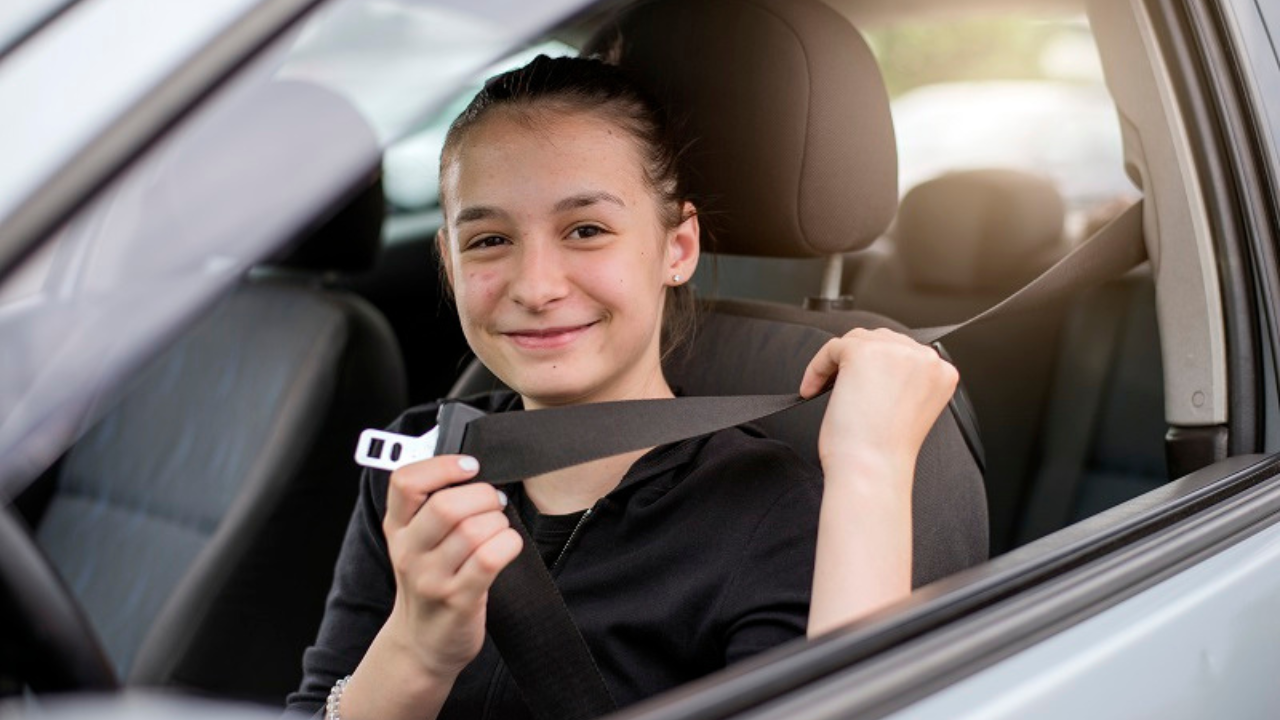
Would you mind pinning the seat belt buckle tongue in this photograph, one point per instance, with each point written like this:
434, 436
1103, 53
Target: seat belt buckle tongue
383, 450
452, 421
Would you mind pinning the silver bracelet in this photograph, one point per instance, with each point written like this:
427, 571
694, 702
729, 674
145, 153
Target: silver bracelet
335, 699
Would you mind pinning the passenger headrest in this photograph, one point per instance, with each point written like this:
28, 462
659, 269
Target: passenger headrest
979, 230
792, 144
349, 240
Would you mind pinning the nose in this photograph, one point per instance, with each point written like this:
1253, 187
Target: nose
540, 278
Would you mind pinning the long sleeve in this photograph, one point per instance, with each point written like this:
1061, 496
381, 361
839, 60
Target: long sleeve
360, 600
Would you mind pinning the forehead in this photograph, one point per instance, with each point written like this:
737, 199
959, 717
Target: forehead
528, 153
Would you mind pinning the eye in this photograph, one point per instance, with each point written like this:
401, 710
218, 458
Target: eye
486, 241
585, 232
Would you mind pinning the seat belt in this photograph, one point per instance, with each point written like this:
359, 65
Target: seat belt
514, 446
535, 630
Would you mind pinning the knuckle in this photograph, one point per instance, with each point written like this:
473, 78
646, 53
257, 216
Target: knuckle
951, 374
472, 530
399, 555
400, 482
495, 554
488, 560
445, 507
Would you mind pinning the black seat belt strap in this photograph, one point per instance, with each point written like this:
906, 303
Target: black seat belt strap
544, 651
514, 446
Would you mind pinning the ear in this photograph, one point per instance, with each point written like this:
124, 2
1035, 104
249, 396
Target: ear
442, 252
683, 246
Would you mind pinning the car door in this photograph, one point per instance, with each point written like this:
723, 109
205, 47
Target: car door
1162, 606
1096, 613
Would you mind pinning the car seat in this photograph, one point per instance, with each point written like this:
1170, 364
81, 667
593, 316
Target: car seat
199, 520
794, 157
1104, 428
961, 243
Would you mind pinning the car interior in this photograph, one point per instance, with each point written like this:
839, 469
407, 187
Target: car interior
178, 520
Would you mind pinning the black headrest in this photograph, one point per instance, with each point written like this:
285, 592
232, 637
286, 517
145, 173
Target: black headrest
792, 138
349, 240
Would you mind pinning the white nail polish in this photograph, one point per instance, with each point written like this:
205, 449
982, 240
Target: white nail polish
502, 498
468, 463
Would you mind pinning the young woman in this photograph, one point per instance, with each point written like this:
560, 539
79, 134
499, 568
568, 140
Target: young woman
568, 242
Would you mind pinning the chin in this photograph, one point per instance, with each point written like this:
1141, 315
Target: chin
550, 391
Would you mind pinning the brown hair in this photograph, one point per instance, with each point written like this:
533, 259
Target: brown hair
574, 84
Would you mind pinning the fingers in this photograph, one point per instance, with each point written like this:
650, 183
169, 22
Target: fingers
464, 564
467, 536
453, 547
412, 484
476, 575
821, 369
444, 512
838, 351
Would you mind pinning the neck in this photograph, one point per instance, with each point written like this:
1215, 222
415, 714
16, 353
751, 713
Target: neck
579, 487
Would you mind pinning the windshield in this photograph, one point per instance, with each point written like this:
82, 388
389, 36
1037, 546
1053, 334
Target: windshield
270, 152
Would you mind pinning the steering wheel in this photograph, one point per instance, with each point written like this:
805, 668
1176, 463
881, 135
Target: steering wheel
49, 644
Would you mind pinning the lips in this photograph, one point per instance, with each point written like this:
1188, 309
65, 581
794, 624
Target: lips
547, 338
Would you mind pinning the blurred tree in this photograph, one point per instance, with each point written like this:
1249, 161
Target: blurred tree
1004, 48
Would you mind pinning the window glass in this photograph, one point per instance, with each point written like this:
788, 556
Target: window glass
411, 168
1025, 94
269, 153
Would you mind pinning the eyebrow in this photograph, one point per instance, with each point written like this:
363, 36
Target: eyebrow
478, 212
573, 202
587, 199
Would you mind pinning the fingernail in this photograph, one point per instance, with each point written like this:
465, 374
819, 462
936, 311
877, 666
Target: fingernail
468, 463
502, 498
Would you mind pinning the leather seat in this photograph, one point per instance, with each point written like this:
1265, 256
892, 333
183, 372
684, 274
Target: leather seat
961, 243
794, 158
199, 520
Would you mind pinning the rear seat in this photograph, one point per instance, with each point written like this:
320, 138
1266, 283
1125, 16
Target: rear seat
1103, 440
963, 242
1069, 397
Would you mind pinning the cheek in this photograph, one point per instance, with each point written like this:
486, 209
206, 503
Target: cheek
477, 291
625, 279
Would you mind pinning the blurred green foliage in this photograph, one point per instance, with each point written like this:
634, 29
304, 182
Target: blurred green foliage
998, 48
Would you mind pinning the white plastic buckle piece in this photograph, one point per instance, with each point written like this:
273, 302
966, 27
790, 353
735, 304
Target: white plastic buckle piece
382, 450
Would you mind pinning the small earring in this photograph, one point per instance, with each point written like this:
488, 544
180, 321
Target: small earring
676, 278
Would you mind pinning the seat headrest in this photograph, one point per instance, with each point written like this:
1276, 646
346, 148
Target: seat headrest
347, 242
979, 230
792, 149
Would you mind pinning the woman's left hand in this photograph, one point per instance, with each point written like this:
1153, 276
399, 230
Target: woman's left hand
888, 392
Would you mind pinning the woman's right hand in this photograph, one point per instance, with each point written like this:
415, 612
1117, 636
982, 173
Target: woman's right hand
447, 543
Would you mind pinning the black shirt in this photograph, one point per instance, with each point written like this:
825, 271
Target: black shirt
550, 533
702, 556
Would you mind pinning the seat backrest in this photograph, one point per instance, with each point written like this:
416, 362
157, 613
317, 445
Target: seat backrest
1103, 440
961, 243
948, 501
199, 520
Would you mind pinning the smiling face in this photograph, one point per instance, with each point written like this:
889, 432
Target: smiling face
558, 256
